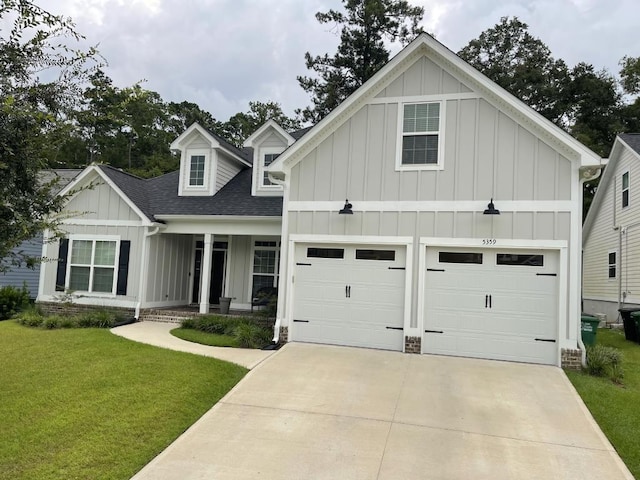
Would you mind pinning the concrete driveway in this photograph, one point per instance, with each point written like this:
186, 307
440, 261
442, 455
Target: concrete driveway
322, 412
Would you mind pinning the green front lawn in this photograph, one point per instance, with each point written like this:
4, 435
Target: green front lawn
616, 408
204, 338
84, 403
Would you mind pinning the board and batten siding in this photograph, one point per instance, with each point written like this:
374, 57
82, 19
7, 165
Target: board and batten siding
227, 169
239, 255
99, 203
170, 263
133, 234
602, 239
486, 154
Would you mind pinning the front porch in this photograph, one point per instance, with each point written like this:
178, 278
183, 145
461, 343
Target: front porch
178, 314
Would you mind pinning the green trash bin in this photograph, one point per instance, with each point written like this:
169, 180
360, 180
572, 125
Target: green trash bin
589, 328
635, 318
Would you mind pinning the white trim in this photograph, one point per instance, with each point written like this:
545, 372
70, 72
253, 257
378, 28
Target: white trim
364, 239
559, 246
426, 45
439, 165
277, 249
425, 98
227, 267
94, 238
406, 242
89, 299
45, 256
176, 145
269, 124
259, 170
436, 206
105, 223
622, 190
226, 218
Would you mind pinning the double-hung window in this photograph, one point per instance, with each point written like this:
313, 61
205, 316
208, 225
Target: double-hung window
612, 264
268, 160
92, 265
625, 189
196, 171
266, 255
420, 143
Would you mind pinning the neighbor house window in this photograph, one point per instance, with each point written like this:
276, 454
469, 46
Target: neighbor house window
268, 160
420, 134
625, 189
92, 266
612, 264
196, 171
266, 255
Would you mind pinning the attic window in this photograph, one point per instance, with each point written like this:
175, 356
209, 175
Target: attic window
625, 189
196, 171
269, 158
420, 134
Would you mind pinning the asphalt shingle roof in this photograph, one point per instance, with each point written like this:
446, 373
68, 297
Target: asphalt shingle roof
159, 196
631, 139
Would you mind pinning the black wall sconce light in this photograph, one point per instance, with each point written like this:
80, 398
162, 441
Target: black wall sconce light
346, 210
491, 209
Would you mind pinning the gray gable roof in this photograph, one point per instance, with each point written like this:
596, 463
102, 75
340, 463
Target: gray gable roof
298, 134
631, 139
159, 196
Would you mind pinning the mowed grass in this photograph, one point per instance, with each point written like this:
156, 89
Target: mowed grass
86, 404
204, 338
616, 408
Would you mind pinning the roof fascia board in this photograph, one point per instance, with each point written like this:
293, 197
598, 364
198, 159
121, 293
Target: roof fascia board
147, 221
77, 180
176, 145
269, 124
598, 198
425, 43
226, 218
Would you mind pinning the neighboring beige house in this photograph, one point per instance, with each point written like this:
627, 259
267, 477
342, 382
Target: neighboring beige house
431, 212
611, 234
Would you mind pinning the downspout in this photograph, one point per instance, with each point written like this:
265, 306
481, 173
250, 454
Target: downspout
284, 255
143, 266
586, 174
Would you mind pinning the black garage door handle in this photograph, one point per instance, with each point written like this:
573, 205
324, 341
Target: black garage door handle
395, 328
301, 321
433, 331
551, 340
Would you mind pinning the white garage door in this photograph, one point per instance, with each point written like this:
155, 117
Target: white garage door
492, 303
349, 295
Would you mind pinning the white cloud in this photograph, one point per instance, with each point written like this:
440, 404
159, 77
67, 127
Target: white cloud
222, 53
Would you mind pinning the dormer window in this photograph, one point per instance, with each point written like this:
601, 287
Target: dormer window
196, 171
268, 160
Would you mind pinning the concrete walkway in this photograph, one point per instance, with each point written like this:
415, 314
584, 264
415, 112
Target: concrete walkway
157, 333
322, 412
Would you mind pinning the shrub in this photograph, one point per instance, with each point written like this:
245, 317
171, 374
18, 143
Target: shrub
13, 300
31, 317
604, 361
96, 318
250, 335
213, 324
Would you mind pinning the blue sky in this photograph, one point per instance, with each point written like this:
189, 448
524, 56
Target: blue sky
221, 54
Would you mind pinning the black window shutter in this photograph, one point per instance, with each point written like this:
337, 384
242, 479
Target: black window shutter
61, 275
123, 267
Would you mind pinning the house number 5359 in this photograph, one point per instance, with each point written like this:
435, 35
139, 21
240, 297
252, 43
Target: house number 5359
488, 241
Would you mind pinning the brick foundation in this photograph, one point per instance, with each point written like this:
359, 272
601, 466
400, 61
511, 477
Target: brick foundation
75, 308
571, 359
412, 345
284, 335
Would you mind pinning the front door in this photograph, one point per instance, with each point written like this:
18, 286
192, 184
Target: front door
217, 276
218, 265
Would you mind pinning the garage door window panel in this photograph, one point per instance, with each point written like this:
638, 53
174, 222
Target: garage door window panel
325, 253
520, 259
460, 257
380, 255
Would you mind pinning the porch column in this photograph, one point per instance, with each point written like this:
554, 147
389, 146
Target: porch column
206, 273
